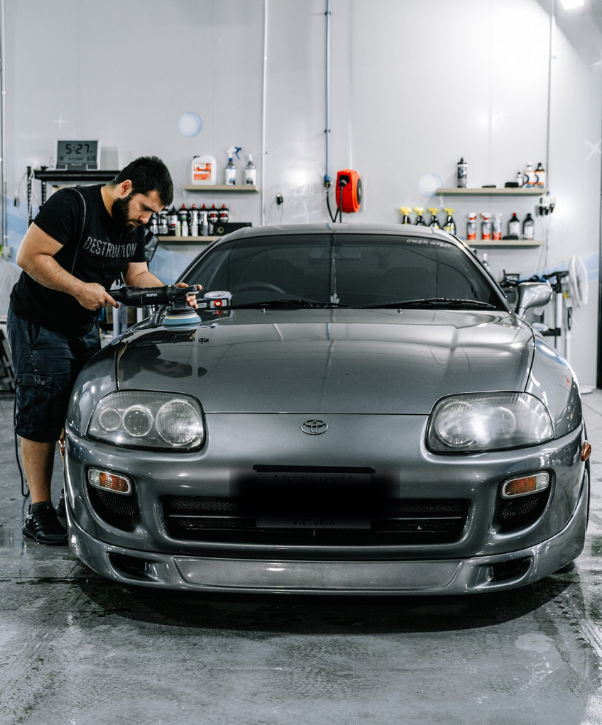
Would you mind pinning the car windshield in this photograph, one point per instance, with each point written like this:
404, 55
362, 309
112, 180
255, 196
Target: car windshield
355, 270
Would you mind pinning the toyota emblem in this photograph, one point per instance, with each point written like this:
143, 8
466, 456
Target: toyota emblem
314, 427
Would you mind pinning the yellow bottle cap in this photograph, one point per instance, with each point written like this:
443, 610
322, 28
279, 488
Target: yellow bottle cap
405, 210
419, 209
432, 210
448, 210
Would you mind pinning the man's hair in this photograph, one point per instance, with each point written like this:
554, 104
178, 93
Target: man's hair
148, 173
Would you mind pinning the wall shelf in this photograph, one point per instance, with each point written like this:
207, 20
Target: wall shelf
498, 191
509, 243
205, 240
221, 187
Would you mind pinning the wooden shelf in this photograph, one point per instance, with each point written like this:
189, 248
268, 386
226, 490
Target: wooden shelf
206, 240
221, 187
498, 191
505, 243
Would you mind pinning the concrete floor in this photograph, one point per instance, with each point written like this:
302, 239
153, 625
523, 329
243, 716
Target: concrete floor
76, 649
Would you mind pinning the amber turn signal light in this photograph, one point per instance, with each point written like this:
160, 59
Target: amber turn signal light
108, 481
586, 451
526, 485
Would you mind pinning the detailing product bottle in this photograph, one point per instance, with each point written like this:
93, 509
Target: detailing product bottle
194, 221
250, 172
204, 216
520, 179
172, 220
230, 175
540, 176
204, 171
462, 173
450, 224
213, 216
497, 227
419, 218
529, 177
486, 226
153, 226
528, 227
405, 212
183, 215
223, 214
163, 223
434, 223
471, 227
484, 262
514, 227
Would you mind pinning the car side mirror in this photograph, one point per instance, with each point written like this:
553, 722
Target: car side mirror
532, 294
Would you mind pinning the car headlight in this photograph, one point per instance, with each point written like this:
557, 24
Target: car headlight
479, 422
148, 420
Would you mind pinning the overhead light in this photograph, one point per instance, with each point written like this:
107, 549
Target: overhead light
570, 4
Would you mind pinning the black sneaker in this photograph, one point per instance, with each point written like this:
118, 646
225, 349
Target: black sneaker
42, 525
60, 509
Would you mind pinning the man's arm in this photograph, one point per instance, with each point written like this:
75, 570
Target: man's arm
137, 275
36, 257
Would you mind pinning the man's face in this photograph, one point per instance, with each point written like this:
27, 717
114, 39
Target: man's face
134, 210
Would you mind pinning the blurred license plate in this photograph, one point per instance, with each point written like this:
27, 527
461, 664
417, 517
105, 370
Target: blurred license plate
312, 500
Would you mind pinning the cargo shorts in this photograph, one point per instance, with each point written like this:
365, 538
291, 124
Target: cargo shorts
45, 364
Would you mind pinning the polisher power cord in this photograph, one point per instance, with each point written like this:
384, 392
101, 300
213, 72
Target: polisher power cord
24, 493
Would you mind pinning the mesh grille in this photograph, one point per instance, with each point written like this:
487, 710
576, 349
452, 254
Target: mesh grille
522, 511
396, 521
113, 508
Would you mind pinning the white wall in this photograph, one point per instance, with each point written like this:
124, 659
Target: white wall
414, 87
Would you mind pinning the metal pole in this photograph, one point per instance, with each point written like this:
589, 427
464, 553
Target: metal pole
327, 130
550, 59
3, 126
262, 181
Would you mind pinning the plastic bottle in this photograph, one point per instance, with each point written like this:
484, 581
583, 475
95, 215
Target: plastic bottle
529, 177
528, 227
204, 215
183, 214
471, 227
450, 224
419, 218
223, 214
250, 172
462, 173
514, 227
484, 262
204, 171
434, 223
172, 221
194, 221
520, 179
213, 216
540, 175
154, 224
405, 212
486, 226
230, 171
163, 223
497, 227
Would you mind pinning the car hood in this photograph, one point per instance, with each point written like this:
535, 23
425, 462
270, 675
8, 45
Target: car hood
329, 361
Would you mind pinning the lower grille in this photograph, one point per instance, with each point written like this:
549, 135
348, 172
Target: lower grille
522, 511
114, 508
396, 521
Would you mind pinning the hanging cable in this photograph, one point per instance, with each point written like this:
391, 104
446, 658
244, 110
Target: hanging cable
24, 493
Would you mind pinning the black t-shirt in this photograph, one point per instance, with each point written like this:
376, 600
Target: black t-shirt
101, 253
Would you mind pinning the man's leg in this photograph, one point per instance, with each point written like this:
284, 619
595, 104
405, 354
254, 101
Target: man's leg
38, 460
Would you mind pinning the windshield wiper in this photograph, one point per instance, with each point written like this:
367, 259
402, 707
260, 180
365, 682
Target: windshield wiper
429, 302
287, 303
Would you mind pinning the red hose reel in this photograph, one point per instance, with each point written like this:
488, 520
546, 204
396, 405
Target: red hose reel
349, 191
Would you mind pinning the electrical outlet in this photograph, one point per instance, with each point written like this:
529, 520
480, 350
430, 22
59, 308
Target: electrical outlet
279, 199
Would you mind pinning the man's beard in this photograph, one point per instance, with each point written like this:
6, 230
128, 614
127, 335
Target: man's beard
120, 211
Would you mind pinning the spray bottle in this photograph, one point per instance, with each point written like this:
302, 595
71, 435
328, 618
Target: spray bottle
471, 227
434, 223
251, 172
419, 218
405, 212
450, 224
486, 226
230, 172
497, 227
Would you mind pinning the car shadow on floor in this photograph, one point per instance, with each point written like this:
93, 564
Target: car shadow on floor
327, 614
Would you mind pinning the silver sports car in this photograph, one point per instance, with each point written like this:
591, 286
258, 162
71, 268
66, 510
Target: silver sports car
353, 409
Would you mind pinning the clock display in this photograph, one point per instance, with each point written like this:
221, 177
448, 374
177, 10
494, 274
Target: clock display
77, 154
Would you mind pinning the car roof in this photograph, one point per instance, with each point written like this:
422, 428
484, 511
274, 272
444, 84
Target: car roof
328, 228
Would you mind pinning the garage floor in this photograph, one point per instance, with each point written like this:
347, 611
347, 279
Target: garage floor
76, 649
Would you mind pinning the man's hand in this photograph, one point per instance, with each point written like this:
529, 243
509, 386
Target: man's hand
93, 296
191, 299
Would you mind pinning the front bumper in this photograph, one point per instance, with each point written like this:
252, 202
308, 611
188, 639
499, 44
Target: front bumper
418, 577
